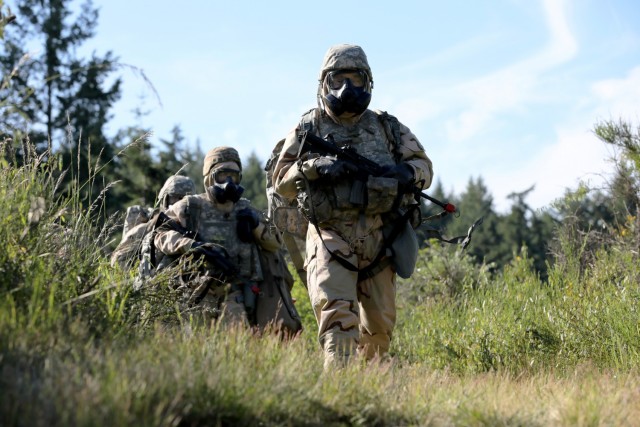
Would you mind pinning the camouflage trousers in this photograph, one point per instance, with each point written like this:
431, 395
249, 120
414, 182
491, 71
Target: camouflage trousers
221, 303
354, 317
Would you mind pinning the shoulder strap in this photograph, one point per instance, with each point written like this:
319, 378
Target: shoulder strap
193, 214
391, 127
150, 230
308, 120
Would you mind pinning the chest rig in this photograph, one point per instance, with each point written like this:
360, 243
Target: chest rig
215, 226
376, 137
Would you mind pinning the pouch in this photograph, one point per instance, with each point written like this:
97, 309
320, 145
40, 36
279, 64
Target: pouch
381, 194
405, 251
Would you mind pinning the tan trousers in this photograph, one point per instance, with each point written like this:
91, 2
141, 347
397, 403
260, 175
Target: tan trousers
353, 317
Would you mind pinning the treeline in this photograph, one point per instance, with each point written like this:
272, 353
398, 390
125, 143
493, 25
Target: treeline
64, 102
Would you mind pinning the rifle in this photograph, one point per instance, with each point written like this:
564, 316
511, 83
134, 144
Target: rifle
343, 151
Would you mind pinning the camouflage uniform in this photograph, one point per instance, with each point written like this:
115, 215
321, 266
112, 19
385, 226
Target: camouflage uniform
353, 315
216, 222
137, 220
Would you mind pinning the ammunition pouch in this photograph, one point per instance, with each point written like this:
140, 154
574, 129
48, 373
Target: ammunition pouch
381, 194
378, 195
316, 207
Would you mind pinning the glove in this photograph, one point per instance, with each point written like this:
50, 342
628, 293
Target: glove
331, 170
216, 255
404, 174
201, 248
247, 221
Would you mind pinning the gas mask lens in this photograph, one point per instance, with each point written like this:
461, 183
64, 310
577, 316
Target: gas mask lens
337, 79
222, 175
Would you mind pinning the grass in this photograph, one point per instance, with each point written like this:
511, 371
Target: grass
233, 378
471, 347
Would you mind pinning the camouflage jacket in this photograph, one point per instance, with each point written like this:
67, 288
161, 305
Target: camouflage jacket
215, 223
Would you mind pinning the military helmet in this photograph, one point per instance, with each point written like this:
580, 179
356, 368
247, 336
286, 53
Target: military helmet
220, 155
176, 185
345, 57
346, 81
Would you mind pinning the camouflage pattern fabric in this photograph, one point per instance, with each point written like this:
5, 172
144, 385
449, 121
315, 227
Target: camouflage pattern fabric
216, 223
176, 185
126, 252
134, 216
220, 155
345, 57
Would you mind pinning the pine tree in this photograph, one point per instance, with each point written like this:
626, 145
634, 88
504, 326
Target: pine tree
171, 153
59, 98
254, 182
477, 202
139, 177
193, 159
55, 89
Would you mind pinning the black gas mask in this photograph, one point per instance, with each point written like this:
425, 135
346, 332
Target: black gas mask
226, 185
348, 91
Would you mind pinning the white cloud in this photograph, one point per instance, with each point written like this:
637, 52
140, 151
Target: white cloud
515, 85
618, 98
576, 154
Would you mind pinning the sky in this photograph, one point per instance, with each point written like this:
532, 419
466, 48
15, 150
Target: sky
505, 90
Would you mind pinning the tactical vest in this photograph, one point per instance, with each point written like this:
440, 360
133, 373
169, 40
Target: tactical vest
218, 227
376, 137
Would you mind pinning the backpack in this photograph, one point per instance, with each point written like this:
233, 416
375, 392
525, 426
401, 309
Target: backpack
128, 250
150, 260
135, 215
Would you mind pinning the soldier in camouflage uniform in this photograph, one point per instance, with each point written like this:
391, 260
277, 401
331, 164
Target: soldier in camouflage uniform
222, 220
151, 261
138, 219
356, 313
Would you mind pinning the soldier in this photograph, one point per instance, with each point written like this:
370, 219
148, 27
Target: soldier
222, 227
138, 219
350, 276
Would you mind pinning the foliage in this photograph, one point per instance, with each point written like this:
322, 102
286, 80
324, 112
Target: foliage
55, 89
54, 260
473, 344
479, 334
254, 182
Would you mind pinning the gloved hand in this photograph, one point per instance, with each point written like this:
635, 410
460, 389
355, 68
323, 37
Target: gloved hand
331, 170
216, 255
404, 174
201, 247
247, 221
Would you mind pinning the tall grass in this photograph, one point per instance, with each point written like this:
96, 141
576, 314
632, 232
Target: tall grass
471, 347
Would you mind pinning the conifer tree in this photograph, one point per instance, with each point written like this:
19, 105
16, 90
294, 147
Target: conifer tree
254, 182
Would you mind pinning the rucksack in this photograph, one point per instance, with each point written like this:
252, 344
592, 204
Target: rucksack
149, 262
128, 250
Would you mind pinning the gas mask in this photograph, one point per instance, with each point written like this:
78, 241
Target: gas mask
348, 91
226, 185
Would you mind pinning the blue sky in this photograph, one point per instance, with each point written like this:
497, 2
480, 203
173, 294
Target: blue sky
508, 90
